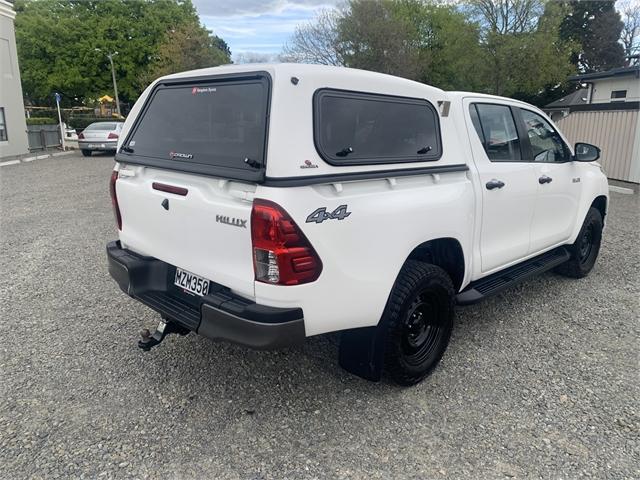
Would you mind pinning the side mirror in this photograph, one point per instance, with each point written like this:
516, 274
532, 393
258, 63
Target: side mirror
585, 152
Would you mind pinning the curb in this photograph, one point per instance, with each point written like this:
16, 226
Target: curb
35, 157
10, 162
625, 191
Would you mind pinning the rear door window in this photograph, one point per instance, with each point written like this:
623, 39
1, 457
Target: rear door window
359, 128
215, 127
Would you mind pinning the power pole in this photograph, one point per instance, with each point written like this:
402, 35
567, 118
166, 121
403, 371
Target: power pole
62, 132
115, 85
113, 77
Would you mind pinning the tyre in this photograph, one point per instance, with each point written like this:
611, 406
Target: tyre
584, 251
419, 319
86, 153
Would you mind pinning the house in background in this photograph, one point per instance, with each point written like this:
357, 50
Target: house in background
617, 85
562, 107
13, 126
605, 112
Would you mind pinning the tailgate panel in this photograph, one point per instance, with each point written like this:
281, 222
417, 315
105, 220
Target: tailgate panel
197, 231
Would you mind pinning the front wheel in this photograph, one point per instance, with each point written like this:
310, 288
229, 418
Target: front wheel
86, 153
584, 251
419, 319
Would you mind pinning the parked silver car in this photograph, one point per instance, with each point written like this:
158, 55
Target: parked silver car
99, 137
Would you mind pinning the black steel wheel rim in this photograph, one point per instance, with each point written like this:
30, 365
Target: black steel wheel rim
423, 328
586, 243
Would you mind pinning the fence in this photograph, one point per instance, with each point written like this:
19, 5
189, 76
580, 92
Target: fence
616, 132
42, 137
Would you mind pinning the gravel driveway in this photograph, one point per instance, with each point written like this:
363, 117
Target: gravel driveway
540, 382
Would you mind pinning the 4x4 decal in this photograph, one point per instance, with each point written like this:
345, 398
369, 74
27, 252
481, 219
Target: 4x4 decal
319, 215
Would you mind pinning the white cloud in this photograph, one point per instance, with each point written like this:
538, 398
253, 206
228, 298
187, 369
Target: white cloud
257, 27
225, 8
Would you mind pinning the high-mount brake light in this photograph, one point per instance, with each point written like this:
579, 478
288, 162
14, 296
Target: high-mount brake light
114, 199
282, 255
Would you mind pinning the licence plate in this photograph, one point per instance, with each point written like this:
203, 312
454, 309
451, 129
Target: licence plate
191, 283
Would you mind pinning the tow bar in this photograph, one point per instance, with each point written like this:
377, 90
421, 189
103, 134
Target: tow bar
164, 328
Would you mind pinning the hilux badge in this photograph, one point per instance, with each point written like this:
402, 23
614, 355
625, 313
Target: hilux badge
236, 222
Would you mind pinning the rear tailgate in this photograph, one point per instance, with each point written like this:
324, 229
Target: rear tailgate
206, 136
206, 232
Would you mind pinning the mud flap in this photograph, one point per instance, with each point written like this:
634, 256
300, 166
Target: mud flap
362, 352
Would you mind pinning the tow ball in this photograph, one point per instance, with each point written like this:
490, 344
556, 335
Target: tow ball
164, 328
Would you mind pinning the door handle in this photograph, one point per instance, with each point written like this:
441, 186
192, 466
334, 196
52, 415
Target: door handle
493, 183
544, 179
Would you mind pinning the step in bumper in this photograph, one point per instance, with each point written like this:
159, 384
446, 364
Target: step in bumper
220, 315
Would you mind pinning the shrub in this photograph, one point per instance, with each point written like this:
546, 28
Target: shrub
42, 121
81, 122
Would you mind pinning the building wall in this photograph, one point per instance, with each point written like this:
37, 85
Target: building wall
10, 87
602, 88
616, 132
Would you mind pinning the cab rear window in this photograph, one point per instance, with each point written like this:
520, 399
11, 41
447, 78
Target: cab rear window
215, 127
353, 128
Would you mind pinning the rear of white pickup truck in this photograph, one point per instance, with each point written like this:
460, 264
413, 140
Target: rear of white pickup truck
192, 240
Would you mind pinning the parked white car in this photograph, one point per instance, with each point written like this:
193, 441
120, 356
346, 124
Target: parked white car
265, 204
99, 137
70, 133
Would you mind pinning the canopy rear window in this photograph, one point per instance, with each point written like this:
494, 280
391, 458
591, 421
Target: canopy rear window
213, 127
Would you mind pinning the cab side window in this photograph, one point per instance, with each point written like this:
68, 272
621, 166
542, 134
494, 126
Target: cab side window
497, 131
546, 143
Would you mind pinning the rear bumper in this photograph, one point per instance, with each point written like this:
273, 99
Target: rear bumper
220, 315
98, 145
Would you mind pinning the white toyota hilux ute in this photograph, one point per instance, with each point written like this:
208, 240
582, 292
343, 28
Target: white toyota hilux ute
263, 204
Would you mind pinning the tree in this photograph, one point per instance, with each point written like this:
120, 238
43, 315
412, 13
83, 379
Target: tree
374, 35
449, 52
631, 30
186, 47
523, 47
507, 47
420, 40
57, 42
316, 41
596, 27
507, 16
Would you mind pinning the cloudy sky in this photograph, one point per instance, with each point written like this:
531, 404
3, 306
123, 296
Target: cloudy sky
257, 26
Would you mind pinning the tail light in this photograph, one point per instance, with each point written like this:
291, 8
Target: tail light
81, 136
112, 135
282, 255
114, 199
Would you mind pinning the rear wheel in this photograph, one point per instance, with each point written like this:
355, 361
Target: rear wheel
584, 251
419, 321
86, 153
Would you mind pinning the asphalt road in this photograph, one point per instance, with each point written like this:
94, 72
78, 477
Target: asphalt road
540, 382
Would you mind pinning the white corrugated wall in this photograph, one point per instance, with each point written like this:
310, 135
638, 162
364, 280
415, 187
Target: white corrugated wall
616, 132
